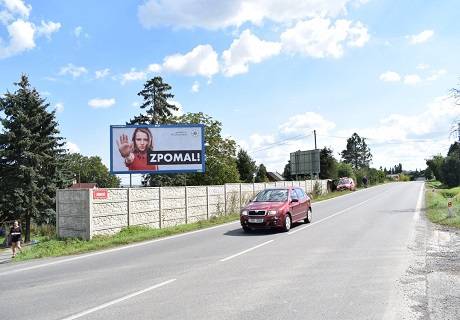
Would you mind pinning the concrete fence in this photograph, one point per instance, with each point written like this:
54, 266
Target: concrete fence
84, 213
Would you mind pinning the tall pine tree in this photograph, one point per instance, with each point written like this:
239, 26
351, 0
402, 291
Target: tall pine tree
30, 157
246, 166
357, 152
156, 94
158, 110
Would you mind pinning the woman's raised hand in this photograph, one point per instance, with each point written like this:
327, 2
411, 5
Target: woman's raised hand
124, 146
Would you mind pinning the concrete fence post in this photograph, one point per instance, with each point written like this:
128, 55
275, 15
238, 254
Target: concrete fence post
253, 189
241, 200
159, 207
129, 205
225, 199
90, 215
186, 206
207, 203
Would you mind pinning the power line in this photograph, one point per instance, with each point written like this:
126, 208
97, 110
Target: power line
282, 142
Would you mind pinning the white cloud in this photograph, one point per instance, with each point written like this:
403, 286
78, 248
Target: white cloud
318, 38
72, 70
99, 74
133, 75
390, 76
77, 31
423, 66
202, 60
154, 68
306, 123
101, 103
135, 104
436, 74
211, 14
247, 49
21, 32
21, 38
59, 107
195, 86
412, 79
17, 7
48, 28
409, 139
422, 37
72, 147
180, 111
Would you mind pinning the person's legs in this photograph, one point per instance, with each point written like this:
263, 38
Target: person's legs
13, 247
18, 245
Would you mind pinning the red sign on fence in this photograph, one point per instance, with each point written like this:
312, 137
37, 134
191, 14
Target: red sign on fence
100, 194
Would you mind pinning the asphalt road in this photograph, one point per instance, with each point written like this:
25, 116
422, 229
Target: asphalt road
346, 264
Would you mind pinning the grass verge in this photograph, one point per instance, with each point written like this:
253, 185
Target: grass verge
49, 246
54, 247
437, 196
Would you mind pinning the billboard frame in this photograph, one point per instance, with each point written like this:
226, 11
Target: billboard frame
178, 125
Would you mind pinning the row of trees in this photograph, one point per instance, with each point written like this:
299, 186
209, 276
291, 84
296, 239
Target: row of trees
446, 169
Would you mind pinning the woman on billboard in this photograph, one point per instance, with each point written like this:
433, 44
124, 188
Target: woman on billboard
135, 152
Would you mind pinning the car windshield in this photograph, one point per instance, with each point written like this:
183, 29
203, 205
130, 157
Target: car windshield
344, 181
272, 195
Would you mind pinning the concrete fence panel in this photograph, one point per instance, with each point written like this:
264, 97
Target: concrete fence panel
82, 214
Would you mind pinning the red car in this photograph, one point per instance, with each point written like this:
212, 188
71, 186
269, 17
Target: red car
276, 208
346, 184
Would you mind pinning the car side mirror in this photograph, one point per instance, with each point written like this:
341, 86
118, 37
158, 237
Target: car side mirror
294, 200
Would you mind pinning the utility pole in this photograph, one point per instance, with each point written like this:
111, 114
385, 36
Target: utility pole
458, 132
314, 133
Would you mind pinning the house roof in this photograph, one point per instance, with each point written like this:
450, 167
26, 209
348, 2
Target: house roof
83, 186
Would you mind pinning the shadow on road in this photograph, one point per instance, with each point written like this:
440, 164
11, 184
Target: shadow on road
255, 233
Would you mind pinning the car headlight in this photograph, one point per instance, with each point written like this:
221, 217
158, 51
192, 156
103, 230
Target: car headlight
244, 213
272, 212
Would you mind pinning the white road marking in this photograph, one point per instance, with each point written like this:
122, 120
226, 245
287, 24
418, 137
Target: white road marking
139, 244
418, 207
246, 251
107, 304
333, 215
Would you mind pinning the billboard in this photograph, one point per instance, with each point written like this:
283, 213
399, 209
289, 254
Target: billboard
177, 148
305, 162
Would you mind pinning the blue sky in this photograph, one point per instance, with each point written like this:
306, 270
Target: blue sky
269, 70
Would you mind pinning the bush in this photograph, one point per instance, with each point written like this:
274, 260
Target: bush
403, 177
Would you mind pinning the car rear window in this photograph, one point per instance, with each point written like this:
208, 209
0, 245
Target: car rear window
272, 195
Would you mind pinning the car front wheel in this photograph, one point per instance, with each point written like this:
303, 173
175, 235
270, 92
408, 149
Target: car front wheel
287, 223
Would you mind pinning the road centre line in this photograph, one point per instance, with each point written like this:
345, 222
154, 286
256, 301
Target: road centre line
333, 215
107, 304
246, 251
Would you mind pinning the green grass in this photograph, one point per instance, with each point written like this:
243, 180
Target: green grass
330, 195
437, 197
50, 246
55, 247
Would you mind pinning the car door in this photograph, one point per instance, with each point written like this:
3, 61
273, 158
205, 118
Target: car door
303, 200
294, 205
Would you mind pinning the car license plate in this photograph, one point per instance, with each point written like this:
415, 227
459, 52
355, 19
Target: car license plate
256, 220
